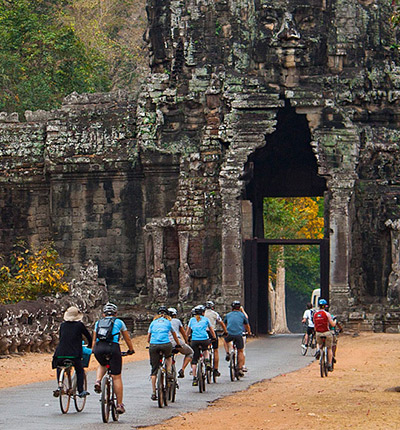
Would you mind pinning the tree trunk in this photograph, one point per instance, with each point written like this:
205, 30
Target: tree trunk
278, 314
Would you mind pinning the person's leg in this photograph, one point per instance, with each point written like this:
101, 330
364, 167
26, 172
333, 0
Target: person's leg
100, 372
240, 358
118, 387
79, 375
216, 359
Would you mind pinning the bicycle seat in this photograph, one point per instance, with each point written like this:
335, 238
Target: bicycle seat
67, 362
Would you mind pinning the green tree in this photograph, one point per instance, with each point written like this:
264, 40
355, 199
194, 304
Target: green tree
292, 218
42, 60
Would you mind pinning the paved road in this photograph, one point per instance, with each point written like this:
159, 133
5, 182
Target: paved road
33, 407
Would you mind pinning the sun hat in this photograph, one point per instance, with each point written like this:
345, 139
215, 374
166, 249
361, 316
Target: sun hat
73, 314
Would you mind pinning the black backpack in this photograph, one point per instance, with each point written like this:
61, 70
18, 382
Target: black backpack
104, 329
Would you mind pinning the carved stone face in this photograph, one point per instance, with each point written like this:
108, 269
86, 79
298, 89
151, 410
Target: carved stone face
291, 36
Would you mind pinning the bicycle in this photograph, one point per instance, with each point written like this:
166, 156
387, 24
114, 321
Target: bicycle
162, 384
210, 374
67, 385
173, 383
108, 397
323, 358
233, 364
201, 372
312, 343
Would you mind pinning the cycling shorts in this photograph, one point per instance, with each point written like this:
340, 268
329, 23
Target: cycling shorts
310, 330
236, 339
329, 338
196, 345
154, 352
102, 349
214, 343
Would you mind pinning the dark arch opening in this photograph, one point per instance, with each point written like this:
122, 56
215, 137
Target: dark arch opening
284, 167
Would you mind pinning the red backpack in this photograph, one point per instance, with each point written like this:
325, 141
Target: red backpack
321, 322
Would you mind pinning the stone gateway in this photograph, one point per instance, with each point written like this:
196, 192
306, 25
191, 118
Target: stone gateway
245, 99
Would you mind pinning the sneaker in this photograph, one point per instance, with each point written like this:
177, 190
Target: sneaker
154, 396
170, 376
216, 372
330, 368
208, 364
244, 369
317, 354
97, 387
84, 394
195, 382
121, 408
227, 356
334, 360
181, 374
240, 373
56, 393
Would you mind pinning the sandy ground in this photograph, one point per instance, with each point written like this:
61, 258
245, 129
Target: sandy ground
359, 394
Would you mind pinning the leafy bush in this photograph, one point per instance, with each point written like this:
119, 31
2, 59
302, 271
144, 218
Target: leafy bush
31, 275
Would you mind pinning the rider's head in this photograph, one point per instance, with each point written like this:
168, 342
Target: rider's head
199, 310
172, 312
322, 303
162, 310
209, 304
236, 305
309, 305
110, 309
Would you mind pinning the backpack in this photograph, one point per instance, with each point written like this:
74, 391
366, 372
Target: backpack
321, 322
104, 329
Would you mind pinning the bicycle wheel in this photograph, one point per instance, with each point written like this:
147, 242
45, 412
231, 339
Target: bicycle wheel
173, 385
313, 345
201, 377
209, 371
65, 385
326, 361
232, 366
322, 363
105, 398
160, 387
212, 362
304, 346
79, 401
114, 403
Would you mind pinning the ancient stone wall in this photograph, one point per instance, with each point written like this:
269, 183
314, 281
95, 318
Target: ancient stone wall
151, 185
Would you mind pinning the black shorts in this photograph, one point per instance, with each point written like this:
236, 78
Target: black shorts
196, 345
236, 339
310, 330
102, 349
154, 351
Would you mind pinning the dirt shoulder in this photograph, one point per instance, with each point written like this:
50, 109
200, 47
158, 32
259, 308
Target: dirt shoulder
359, 394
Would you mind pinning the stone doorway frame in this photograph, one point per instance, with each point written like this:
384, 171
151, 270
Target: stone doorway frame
255, 267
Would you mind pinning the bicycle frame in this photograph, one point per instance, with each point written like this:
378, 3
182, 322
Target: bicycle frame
67, 384
108, 396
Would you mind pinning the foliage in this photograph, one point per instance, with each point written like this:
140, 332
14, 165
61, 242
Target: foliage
41, 60
114, 29
31, 275
395, 18
295, 218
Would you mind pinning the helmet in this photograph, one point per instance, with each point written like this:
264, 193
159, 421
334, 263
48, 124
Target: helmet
199, 310
209, 304
172, 312
322, 302
192, 312
236, 304
110, 308
162, 310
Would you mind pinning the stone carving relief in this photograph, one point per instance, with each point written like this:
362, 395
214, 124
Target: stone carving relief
33, 326
185, 285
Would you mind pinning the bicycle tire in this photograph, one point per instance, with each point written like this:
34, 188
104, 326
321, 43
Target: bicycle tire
326, 361
114, 403
160, 388
209, 372
199, 375
304, 346
232, 369
173, 385
313, 345
65, 385
79, 401
105, 398
212, 362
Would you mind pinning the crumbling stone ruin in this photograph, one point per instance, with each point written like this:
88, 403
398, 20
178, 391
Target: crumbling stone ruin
245, 99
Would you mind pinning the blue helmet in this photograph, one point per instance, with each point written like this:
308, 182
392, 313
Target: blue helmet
322, 302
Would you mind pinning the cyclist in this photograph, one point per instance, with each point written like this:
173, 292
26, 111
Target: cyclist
158, 338
322, 322
235, 321
215, 319
335, 333
186, 350
110, 347
198, 328
308, 319
70, 346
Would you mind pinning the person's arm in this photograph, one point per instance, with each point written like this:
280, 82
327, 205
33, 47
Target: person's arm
222, 324
87, 335
94, 338
183, 333
212, 332
178, 344
331, 321
244, 312
128, 341
188, 332
247, 327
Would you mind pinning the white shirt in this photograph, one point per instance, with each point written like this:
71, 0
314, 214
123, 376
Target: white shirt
213, 317
308, 313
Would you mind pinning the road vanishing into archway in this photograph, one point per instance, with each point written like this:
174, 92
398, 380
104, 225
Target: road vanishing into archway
33, 406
